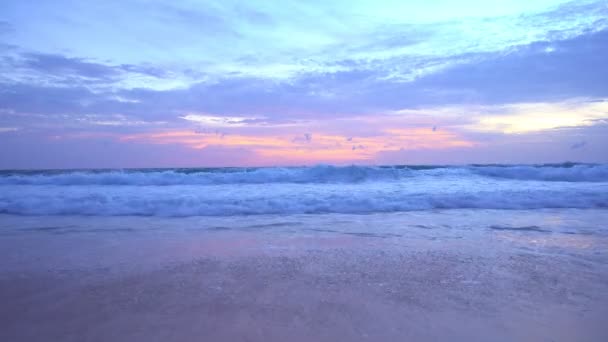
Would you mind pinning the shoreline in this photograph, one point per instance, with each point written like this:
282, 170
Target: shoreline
355, 278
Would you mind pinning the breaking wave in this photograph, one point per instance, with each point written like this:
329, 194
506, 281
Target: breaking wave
317, 174
302, 190
182, 202
562, 172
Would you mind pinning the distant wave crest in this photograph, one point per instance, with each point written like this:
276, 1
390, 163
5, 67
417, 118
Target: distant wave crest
317, 174
561, 172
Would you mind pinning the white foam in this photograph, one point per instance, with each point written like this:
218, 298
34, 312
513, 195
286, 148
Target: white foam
317, 174
304, 198
564, 173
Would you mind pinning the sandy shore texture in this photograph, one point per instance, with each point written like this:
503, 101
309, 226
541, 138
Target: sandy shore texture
300, 282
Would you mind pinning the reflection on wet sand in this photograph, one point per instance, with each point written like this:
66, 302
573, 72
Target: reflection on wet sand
421, 277
558, 240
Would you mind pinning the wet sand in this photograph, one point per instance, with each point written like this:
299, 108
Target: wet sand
301, 282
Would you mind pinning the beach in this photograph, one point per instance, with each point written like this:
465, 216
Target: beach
304, 171
459, 275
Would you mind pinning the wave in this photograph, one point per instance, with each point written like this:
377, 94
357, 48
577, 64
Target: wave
561, 172
316, 174
250, 201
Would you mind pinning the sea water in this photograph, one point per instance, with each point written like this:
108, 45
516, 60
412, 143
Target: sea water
302, 190
356, 253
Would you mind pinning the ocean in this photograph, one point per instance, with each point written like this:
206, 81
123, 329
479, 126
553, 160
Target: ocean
302, 190
324, 253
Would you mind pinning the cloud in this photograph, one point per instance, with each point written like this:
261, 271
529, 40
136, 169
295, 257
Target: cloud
211, 120
35, 99
571, 68
59, 65
357, 83
530, 117
26, 150
53, 84
578, 145
282, 41
528, 74
5, 27
389, 140
56, 69
308, 148
8, 129
553, 146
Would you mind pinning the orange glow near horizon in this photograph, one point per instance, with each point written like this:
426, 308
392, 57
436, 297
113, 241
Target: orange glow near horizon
315, 148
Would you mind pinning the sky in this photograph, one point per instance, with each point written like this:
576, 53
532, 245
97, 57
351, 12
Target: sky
188, 83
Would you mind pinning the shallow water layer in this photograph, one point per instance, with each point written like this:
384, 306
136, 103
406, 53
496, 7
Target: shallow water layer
467, 274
